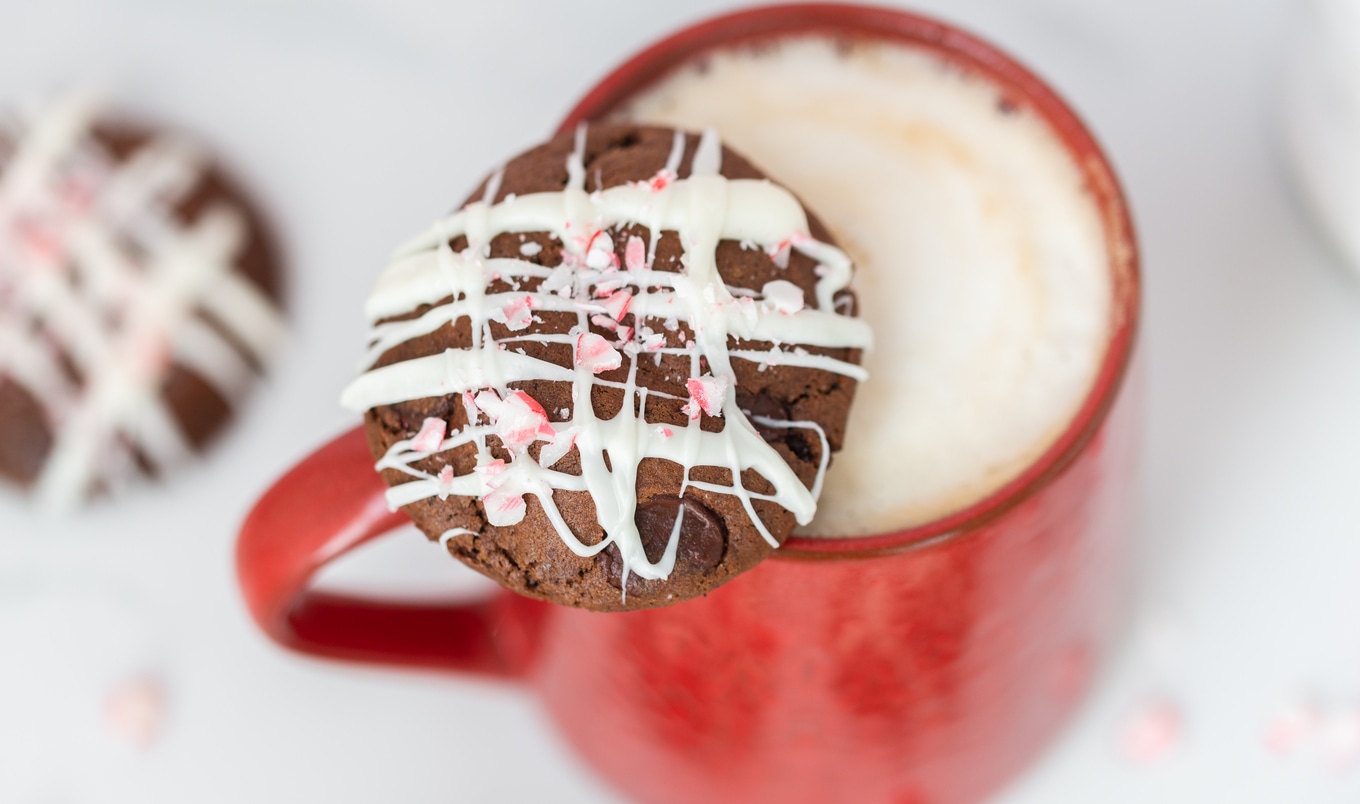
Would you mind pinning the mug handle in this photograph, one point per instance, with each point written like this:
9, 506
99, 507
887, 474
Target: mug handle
330, 503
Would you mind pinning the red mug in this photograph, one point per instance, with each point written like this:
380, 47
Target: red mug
926, 665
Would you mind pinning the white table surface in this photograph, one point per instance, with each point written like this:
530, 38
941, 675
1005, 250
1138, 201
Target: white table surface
357, 122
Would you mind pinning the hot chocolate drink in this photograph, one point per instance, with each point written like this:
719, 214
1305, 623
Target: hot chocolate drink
983, 265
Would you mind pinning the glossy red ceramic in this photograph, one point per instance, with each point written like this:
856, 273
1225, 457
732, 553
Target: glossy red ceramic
927, 665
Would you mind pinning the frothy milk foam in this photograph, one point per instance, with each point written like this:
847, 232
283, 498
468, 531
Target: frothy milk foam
981, 260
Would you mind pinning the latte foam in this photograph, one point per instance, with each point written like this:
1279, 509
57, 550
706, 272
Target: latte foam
981, 261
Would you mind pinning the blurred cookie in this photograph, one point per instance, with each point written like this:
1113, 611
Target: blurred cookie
622, 366
139, 297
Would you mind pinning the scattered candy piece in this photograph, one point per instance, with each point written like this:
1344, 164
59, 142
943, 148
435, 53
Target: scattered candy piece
1341, 738
661, 180
517, 314
706, 394
1292, 724
747, 306
557, 449
600, 252
617, 304
560, 281
530, 249
652, 341
470, 407
607, 287
445, 481
635, 254
780, 252
431, 435
595, 353
504, 508
1151, 732
604, 322
518, 418
134, 711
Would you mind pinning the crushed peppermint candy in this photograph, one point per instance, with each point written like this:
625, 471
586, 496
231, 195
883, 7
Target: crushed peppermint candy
504, 507
617, 304
747, 306
1340, 734
518, 418
635, 254
780, 252
431, 435
134, 710
445, 482
1292, 724
604, 322
600, 252
559, 281
1152, 731
663, 179
706, 394
595, 353
517, 314
651, 341
554, 451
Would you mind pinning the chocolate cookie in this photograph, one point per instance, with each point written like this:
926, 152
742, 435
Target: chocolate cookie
138, 297
596, 416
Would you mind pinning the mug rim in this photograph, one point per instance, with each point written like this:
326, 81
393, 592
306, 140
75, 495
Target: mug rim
1021, 85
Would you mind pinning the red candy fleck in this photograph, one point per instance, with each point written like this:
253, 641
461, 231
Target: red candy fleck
661, 180
781, 251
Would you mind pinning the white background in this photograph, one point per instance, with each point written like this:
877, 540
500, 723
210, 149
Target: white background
357, 122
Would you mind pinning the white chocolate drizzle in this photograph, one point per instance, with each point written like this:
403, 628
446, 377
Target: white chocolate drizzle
93, 258
593, 284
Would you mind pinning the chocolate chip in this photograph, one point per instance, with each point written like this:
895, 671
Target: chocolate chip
767, 407
703, 537
800, 446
